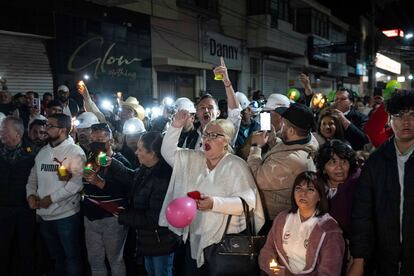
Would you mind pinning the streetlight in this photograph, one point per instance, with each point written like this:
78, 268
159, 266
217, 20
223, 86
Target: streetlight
409, 36
86, 77
410, 76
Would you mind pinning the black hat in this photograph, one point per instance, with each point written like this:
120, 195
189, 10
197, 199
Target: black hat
299, 115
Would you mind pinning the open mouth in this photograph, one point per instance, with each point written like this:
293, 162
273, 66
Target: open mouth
207, 147
206, 117
302, 200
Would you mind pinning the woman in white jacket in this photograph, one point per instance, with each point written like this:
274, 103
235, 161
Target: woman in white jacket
221, 177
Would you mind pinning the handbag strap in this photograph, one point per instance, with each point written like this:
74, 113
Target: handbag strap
246, 216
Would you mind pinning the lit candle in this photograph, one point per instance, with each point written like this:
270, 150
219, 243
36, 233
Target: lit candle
62, 171
102, 159
88, 168
273, 266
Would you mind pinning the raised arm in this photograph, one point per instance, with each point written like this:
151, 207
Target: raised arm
169, 144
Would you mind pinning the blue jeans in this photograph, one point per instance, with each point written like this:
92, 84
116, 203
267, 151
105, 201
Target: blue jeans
159, 265
62, 238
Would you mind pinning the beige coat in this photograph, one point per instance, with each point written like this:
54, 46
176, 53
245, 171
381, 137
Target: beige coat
277, 170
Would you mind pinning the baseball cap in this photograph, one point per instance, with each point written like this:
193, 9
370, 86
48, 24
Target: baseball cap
299, 115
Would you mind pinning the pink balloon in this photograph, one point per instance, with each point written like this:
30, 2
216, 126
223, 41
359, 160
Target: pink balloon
181, 211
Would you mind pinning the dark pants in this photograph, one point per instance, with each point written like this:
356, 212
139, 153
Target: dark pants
190, 265
17, 241
62, 237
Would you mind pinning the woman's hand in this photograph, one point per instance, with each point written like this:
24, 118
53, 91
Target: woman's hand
205, 203
180, 118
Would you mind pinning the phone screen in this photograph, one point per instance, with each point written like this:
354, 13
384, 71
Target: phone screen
265, 123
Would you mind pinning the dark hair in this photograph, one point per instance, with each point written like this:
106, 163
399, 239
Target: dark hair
206, 96
351, 96
152, 142
35, 95
402, 100
47, 94
53, 103
37, 122
102, 127
310, 178
63, 120
327, 151
339, 132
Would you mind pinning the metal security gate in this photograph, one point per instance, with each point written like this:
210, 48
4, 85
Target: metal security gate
25, 65
275, 77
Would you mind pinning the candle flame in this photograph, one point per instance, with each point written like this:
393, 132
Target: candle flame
273, 264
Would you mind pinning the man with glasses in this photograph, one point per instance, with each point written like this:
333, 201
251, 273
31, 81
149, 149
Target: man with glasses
351, 119
104, 199
207, 110
53, 190
382, 217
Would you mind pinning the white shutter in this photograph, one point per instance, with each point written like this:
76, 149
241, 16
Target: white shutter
25, 65
275, 76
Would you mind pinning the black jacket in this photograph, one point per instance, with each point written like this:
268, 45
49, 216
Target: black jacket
15, 167
149, 186
354, 134
111, 192
376, 214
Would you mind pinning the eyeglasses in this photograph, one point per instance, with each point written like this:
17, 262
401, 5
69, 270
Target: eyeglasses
212, 135
51, 126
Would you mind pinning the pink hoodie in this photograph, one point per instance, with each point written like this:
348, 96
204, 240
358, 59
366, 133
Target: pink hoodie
324, 254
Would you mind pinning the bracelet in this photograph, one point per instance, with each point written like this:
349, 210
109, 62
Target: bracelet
227, 83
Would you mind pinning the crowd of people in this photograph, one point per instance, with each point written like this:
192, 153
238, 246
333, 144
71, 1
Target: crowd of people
84, 189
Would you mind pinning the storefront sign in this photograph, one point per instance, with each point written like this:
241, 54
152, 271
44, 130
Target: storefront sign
115, 66
217, 45
388, 64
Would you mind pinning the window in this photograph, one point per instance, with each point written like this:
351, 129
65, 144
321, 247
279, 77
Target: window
202, 6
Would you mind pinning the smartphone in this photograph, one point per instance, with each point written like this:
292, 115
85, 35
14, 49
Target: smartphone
265, 123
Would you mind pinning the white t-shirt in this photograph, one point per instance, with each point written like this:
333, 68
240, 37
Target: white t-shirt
295, 240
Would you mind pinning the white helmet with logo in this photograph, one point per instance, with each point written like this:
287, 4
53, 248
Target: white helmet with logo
185, 104
243, 100
86, 120
133, 126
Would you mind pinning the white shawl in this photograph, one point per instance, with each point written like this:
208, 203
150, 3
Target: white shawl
230, 179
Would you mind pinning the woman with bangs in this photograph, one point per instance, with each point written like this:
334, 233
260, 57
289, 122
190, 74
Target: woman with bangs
305, 240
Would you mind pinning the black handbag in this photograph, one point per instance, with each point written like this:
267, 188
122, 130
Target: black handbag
235, 254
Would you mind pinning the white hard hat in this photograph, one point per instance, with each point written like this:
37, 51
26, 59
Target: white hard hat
133, 126
185, 104
86, 119
276, 100
63, 88
243, 100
